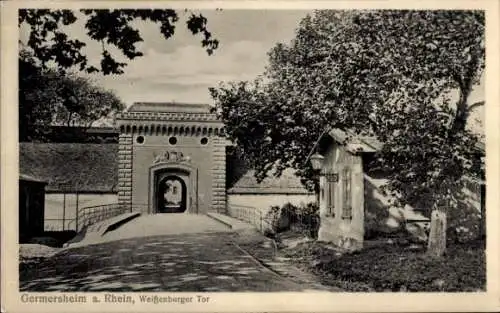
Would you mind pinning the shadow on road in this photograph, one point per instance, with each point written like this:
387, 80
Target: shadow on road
192, 262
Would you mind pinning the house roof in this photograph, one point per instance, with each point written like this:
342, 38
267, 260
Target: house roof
354, 143
31, 178
72, 167
87, 167
287, 183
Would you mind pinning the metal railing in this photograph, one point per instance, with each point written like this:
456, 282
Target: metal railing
90, 215
298, 221
247, 214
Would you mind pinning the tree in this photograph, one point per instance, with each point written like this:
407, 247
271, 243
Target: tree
390, 74
49, 42
48, 97
50, 54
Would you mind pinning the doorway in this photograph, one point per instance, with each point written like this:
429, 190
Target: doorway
171, 195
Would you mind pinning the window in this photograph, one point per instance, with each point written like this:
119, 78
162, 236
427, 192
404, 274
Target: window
172, 140
347, 197
330, 196
139, 139
204, 140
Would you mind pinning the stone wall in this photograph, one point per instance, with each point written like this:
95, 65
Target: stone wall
266, 201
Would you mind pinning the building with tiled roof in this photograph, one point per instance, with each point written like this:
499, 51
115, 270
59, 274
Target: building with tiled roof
71, 167
288, 183
353, 204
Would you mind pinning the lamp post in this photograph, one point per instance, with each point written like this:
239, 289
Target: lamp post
317, 164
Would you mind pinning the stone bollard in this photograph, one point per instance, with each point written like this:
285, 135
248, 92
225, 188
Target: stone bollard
437, 236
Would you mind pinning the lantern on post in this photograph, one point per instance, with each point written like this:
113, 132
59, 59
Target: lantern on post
317, 164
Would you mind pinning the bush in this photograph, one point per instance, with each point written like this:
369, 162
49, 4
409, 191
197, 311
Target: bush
276, 220
61, 236
463, 225
304, 218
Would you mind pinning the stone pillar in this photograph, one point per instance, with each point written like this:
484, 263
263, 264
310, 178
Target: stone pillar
436, 246
125, 171
219, 176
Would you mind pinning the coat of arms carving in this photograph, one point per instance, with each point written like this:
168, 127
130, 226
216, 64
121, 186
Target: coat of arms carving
171, 156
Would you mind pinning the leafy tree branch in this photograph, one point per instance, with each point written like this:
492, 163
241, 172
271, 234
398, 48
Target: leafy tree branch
389, 74
48, 41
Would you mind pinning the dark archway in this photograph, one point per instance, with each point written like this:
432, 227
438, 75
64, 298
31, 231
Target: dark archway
171, 195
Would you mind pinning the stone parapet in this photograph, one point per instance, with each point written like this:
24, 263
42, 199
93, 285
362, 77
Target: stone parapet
167, 116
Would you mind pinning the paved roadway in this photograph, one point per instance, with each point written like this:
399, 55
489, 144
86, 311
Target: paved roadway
194, 253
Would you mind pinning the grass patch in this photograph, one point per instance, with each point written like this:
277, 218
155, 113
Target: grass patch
396, 268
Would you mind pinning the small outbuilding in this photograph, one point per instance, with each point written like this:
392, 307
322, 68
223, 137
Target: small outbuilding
31, 207
353, 206
341, 186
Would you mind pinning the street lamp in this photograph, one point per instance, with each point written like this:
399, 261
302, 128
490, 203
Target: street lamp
317, 161
317, 164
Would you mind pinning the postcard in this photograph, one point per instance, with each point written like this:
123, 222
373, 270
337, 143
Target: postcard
236, 156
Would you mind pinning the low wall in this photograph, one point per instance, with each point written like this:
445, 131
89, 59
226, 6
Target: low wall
266, 201
383, 218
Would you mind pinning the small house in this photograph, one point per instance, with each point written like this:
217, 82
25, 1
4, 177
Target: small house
352, 205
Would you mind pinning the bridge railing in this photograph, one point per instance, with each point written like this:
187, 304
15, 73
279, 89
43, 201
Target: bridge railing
93, 214
247, 214
297, 220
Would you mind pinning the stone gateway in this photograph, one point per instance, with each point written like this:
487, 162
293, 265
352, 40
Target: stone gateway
171, 159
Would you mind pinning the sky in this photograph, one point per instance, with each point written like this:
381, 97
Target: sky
179, 69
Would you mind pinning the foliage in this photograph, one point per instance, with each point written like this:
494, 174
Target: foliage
48, 97
394, 268
276, 220
385, 73
49, 41
402, 76
304, 218
50, 93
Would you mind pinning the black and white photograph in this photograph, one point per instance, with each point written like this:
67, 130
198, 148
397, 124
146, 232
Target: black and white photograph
164, 152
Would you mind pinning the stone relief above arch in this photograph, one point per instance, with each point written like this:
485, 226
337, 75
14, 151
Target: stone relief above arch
171, 156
